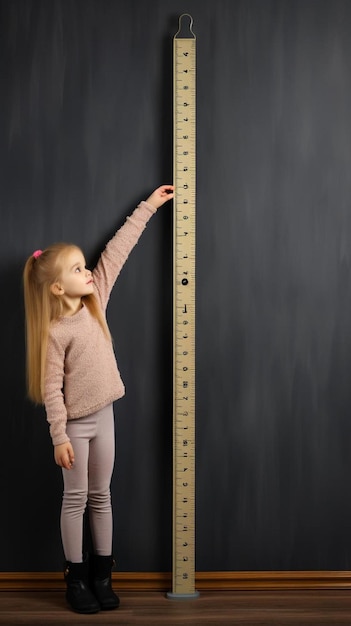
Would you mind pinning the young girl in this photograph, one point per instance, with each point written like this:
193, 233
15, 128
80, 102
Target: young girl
72, 370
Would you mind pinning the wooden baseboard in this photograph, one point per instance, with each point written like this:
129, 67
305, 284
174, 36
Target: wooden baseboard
204, 581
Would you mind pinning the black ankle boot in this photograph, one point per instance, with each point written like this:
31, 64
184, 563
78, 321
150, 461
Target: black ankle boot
78, 593
100, 581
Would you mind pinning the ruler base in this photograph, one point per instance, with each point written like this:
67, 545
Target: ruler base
183, 596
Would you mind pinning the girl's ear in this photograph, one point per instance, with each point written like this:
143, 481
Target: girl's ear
56, 289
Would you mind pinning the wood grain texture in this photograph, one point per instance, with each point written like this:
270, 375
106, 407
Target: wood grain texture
293, 608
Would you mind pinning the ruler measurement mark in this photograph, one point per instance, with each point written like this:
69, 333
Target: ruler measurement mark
184, 164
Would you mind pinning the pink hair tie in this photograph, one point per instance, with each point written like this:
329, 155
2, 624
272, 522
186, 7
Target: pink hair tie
37, 253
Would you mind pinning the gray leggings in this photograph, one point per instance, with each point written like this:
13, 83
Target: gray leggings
88, 482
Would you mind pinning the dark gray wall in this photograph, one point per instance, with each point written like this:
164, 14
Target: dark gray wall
85, 133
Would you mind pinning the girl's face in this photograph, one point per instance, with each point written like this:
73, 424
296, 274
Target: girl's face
75, 279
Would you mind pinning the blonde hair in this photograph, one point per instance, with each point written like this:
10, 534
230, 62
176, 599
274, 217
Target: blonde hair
42, 307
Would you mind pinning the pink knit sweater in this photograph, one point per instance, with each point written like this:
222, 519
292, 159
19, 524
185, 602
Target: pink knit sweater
81, 369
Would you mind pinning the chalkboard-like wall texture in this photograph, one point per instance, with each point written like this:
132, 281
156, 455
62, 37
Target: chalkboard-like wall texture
86, 132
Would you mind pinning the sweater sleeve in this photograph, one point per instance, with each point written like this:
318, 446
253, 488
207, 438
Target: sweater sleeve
118, 249
54, 397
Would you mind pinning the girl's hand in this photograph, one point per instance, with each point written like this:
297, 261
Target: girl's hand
64, 455
161, 195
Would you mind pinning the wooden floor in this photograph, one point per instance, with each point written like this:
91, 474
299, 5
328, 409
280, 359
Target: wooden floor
281, 608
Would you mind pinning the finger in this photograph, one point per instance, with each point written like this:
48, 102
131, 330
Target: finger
71, 455
167, 193
66, 462
165, 189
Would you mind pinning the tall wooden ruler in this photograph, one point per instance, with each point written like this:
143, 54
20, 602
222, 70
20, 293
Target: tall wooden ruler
184, 164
